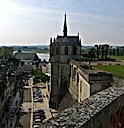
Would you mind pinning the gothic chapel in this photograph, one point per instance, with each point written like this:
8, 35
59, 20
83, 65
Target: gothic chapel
62, 50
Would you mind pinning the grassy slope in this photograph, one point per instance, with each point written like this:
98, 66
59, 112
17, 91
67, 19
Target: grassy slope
115, 69
116, 57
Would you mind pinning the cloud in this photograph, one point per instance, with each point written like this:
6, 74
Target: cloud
26, 20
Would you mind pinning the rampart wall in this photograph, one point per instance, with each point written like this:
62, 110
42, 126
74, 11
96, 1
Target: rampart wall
94, 112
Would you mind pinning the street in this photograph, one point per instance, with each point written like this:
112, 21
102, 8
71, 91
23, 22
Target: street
45, 104
29, 106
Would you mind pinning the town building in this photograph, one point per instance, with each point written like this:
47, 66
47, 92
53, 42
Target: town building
27, 58
12, 75
9, 81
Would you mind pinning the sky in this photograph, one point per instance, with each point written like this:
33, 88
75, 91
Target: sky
34, 22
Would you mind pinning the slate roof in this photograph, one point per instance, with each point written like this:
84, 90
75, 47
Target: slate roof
26, 56
67, 39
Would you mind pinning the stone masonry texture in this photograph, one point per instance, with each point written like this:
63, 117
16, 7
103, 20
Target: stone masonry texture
94, 112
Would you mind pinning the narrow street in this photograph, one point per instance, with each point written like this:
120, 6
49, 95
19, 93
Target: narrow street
45, 104
29, 106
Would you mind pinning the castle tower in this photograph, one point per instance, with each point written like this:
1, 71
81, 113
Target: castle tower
62, 50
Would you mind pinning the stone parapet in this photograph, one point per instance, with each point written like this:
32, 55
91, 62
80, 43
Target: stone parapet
94, 112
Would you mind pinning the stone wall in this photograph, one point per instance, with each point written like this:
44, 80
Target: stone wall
118, 80
59, 81
54, 85
94, 112
83, 89
79, 90
61, 51
85, 81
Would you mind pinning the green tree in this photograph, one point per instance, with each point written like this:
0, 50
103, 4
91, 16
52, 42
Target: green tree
102, 50
106, 49
6, 52
91, 53
39, 76
97, 50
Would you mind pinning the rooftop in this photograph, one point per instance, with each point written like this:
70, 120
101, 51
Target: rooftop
87, 68
26, 56
67, 39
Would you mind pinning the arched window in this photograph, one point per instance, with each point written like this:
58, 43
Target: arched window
57, 50
66, 50
74, 50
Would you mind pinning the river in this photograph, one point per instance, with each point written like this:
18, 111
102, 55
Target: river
43, 56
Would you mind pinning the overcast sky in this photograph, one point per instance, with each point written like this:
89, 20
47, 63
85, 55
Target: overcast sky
34, 22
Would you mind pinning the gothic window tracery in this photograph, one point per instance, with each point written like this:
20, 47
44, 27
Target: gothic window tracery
57, 50
74, 50
66, 50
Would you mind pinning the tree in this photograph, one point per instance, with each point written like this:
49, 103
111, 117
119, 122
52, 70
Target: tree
39, 76
91, 53
117, 50
106, 48
102, 50
97, 50
6, 51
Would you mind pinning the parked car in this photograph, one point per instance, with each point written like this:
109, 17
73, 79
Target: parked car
36, 124
39, 110
37, 117
38, 99
37, 94
38, 120
37, 114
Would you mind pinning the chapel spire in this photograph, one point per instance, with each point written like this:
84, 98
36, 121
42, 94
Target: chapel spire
65, 27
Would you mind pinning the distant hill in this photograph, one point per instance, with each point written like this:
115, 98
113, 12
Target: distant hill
37, 48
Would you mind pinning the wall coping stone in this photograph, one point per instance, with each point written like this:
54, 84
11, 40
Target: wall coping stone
81, 113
